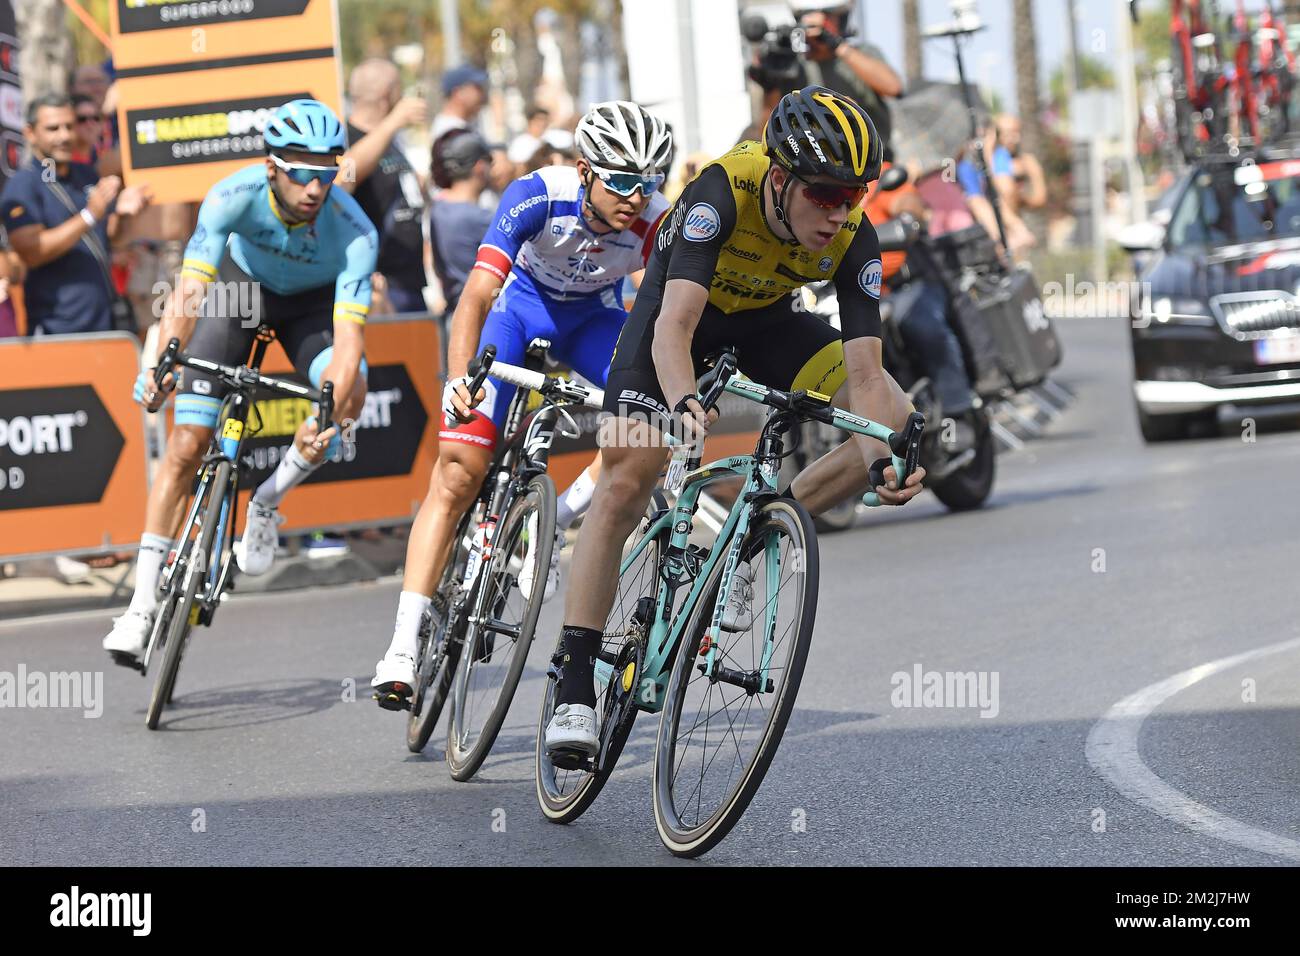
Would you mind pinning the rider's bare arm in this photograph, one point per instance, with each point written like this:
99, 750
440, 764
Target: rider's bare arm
683, 303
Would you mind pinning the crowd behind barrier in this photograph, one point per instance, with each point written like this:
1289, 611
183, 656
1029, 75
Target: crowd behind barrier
428, 181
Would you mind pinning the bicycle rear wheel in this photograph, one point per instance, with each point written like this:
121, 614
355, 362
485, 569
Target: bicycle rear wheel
498, 647
717, 738
564, 795
197, 559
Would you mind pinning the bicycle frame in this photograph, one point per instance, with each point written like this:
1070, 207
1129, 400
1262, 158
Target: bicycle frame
679, 564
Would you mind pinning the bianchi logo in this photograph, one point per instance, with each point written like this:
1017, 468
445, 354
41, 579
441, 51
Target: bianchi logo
871, 277
742, 253
702, 222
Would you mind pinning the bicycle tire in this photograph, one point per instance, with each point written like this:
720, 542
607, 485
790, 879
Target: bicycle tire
436, 671
464, 762
557, 804
692, 841
178, 630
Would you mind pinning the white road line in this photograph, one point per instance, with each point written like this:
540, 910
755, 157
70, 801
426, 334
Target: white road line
1112, 749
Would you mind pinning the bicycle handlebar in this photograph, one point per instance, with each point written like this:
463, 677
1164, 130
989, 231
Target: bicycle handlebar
240, 377
552, 386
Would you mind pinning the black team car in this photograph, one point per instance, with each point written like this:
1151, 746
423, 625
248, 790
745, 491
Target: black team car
1216, 323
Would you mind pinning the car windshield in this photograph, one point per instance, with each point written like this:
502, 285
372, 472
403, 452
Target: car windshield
1247, 204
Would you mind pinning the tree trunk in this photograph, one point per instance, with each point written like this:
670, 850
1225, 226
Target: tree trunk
569, 29
618, 49
1027, 86
912, 58
528, 62
45, 58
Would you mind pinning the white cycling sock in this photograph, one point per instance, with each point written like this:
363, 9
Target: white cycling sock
148, 565
292, 471
406, 631
575, 501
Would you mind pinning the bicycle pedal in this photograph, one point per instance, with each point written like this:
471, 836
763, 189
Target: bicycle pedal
391, 700
565, 759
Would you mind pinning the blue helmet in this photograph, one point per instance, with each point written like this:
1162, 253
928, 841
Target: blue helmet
308, 126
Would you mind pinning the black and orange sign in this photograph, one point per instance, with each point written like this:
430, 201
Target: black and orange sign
72, 449
197, 80
386, 467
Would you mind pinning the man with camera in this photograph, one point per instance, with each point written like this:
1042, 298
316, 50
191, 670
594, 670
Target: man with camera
857, 70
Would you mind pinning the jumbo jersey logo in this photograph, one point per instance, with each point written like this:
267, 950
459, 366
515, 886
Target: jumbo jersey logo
702, 222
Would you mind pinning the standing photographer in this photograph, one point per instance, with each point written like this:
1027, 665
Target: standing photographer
857, 70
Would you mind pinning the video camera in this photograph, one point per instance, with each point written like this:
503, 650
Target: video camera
780, 44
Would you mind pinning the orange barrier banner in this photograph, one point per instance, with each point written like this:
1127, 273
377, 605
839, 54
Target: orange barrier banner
72, 449
197, 79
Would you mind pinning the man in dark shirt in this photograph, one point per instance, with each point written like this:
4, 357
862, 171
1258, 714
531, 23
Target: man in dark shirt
383, 181
461, 168
60, 217
858, 70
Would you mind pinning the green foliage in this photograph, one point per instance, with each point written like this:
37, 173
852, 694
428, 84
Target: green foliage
1092, 73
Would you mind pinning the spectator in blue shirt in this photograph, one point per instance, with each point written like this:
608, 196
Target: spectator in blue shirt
60, 216
974, 187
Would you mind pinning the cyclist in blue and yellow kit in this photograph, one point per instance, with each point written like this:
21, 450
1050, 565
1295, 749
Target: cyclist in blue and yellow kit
307, 251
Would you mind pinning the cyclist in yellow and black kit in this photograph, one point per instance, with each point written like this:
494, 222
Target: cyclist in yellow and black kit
729, 259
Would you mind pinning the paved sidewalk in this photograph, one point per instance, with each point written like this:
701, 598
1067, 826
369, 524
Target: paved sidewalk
31, 594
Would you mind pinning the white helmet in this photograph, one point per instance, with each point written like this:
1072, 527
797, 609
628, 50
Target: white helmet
621, 137
800, 7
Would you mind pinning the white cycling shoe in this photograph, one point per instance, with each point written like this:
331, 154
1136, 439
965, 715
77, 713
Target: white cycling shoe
394, 680
738, 615
129, 635
572, 727
529, 572
255, 551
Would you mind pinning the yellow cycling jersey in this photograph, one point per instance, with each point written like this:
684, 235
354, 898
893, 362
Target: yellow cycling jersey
753, 267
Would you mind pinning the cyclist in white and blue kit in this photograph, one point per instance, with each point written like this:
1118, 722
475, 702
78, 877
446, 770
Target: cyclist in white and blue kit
550, 266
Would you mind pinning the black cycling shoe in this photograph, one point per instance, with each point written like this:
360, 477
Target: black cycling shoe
394, 695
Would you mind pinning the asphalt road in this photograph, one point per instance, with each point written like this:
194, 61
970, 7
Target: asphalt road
1102, 573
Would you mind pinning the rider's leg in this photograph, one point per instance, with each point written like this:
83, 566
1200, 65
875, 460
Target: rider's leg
574, 501
163, 514
632, 456
921, 310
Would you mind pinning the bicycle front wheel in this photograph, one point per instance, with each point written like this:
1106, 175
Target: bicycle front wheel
496, 646
564, 795
717, 735
181, 616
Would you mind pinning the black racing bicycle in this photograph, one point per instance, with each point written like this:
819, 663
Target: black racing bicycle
197, 573
474, 639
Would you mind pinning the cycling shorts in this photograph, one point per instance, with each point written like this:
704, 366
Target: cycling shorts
582, 333
303, 324
775, 345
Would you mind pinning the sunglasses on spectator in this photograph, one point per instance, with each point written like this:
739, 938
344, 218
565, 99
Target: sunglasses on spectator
828, 196
303, 173
625, 184
88, 118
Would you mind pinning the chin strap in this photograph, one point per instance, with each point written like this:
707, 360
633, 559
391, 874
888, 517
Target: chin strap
587, 205
778, 204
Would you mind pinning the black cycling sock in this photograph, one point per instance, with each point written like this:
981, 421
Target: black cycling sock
788, 493
577, 662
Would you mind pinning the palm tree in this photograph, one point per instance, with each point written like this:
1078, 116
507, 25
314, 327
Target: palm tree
1027, 86
46, 54
912, 41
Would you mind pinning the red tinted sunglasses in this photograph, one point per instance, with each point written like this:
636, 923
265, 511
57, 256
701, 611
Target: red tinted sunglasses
832, 197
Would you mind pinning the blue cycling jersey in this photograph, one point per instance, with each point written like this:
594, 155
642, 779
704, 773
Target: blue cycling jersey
338, 247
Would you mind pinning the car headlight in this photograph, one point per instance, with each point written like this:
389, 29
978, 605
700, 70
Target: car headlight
1176, 310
